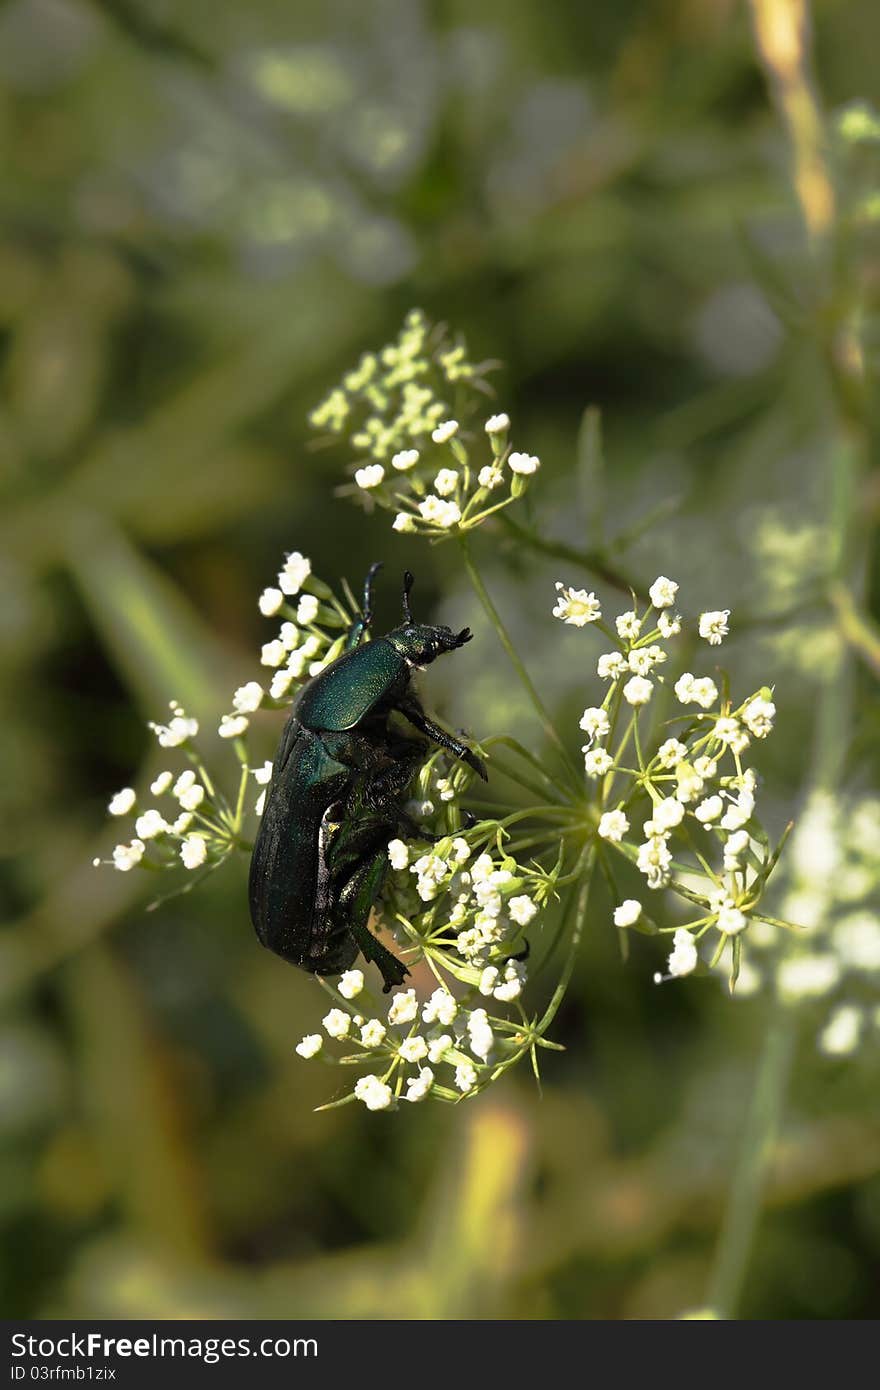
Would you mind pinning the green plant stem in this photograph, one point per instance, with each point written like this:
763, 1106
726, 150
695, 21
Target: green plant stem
504, 637
743, 1208
580, 918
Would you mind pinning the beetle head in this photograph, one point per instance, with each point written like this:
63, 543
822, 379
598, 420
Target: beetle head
422, 643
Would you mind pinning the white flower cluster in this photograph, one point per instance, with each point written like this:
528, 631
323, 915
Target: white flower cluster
696, 781
829, 887
413, 459
440, 1046
464, 910
196, 828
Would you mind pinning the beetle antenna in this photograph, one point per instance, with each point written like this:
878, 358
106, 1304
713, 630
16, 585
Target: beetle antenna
367, 608
408, 581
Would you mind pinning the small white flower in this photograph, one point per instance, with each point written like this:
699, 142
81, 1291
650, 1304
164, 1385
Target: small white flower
465, 1076
233, 726
613, 826
247, 698
576, 606
176, 732
307, 610
407, 458
521, 910
373, 1033
150, 824
417, 1087
628, 625
404, 1007
490, 477
611, 666
194, 851
273, 653
730, 732
597, 761
480, 1034
683, 957
162, 783
438, 1046
525, 464
637, 690
714, 626
461, 850
413, 1049
840, 1035
654, 860
440, 1008
122, 802
192, 798
446, 482
662, 592
669, 624
705, 767
489, 979
595, 722
628, 913
294, 574
735, 846
182, 823
125, 857
260, 803
709, 810
263, 775
439, 513
691, 690
641, 659
667, 814
758, 715
445, 431
310, 1046
398, 854
270, 601
337, 1023
375, 1094
403, 522
689, 784
370, 476
511, 986
496, 424
670, 753
351, 982
281, 683
731, 920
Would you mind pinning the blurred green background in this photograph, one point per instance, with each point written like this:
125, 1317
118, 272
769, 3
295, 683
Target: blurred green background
208, 210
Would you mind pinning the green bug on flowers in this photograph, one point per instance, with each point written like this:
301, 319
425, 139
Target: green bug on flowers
336, 795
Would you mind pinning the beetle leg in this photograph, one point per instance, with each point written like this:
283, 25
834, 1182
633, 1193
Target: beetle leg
412, 710
391, 781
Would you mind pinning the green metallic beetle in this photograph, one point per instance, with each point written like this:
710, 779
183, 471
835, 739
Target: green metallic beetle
335, 798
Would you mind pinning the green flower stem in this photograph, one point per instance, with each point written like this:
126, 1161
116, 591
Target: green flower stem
743, 1208
504, 637
580, 917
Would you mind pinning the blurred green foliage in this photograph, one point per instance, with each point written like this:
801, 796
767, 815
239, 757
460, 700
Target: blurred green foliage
208, 210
